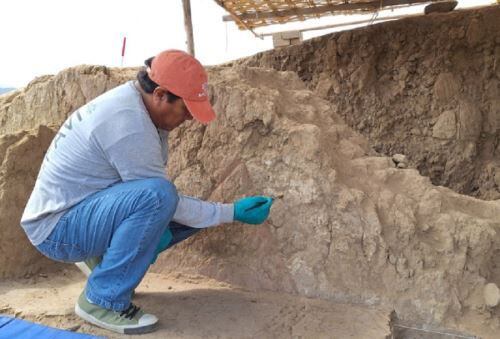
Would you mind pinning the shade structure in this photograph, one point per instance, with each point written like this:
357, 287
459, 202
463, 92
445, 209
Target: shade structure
250, 14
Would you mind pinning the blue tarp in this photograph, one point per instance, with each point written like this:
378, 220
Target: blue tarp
12, 328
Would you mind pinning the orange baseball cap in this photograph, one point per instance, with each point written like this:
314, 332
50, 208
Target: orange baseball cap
184, 76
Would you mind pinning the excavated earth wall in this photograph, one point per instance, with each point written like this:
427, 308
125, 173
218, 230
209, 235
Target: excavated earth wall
427, 87
347, 224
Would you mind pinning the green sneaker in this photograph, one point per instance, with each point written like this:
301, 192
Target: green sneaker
131, 321
88, 265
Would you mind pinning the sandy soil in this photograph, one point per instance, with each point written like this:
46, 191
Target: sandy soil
197, 307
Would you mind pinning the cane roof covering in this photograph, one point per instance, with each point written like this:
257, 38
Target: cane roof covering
250, 14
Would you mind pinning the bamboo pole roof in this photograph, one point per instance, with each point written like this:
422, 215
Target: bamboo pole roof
250, 14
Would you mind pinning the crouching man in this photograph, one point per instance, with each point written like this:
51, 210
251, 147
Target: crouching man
102, 198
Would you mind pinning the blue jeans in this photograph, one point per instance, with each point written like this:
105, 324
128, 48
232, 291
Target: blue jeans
123, 224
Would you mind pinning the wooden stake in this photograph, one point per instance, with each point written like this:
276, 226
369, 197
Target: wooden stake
188, 25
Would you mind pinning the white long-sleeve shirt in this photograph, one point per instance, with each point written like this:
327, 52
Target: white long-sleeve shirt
109, 140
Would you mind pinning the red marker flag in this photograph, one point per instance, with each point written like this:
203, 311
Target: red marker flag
123, 48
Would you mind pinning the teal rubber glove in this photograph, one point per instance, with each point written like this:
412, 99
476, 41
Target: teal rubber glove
252, 210
165, 240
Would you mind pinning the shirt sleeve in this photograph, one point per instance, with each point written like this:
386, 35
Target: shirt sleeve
202, 214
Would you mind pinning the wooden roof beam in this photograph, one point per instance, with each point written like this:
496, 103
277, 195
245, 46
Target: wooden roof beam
289, 2
235, 17
372, 5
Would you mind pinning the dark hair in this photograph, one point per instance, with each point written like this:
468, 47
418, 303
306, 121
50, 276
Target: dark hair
149, 85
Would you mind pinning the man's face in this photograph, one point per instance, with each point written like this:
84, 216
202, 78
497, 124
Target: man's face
168, 115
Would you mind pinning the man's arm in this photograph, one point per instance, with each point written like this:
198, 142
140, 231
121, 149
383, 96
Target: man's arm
138, 155
201, 214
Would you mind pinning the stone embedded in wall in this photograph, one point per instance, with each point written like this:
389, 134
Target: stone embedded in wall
496, 175
364, 76
325, 85
446, 126
446, 87
475, 33
440, 7
469, 121
343, 42
491, 295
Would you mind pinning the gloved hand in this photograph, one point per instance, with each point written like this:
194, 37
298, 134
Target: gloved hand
252, 210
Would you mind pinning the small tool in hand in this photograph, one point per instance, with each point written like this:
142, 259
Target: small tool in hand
257, 205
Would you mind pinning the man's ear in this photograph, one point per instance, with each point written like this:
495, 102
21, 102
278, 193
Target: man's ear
158, 94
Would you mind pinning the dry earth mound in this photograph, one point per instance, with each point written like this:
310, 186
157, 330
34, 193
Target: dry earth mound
427, 87
347, 225
50, 99
28, 121
21, 155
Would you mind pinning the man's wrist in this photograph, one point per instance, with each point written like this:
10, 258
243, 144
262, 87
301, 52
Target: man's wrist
227, 213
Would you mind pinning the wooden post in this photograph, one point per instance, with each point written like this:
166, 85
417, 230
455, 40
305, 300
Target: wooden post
188, 25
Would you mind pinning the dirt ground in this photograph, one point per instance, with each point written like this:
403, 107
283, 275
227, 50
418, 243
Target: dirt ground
191, 306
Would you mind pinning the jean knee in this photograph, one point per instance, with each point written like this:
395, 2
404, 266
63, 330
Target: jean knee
166, 191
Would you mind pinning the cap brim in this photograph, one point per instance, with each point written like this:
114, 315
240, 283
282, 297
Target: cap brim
200, 110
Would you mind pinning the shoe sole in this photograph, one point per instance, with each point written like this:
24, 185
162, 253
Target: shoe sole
133, 329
